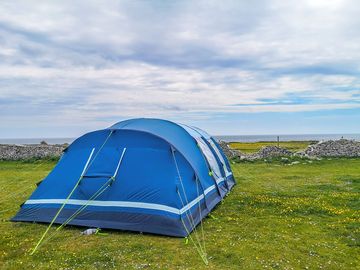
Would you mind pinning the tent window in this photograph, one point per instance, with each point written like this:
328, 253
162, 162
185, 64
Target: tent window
216, 149
210, 157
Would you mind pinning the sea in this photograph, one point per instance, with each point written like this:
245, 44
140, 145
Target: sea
226, 138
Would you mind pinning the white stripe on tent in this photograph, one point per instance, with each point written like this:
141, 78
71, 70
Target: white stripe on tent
141, 205
219, 180
152, 206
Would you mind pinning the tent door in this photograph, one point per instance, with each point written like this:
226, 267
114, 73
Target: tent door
104, 168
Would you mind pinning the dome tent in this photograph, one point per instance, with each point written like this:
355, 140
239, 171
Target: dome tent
156, 174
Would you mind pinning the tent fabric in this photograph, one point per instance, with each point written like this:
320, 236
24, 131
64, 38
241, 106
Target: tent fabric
165, 176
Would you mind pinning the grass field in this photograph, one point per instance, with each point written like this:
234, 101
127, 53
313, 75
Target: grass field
304, 216
250, 147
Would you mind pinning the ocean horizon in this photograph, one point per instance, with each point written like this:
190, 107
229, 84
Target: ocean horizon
226, 138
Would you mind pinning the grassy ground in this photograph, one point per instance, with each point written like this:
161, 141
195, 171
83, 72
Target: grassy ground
251, 147
304, 216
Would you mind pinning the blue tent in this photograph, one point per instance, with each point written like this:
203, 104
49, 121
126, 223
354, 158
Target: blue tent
147, 175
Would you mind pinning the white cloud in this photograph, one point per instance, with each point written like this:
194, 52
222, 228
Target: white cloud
158, 89
87, 61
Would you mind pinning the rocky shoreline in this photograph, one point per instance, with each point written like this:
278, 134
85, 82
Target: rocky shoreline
338, 148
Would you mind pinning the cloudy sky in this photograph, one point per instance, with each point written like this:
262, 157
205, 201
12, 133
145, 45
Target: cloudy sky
230, 67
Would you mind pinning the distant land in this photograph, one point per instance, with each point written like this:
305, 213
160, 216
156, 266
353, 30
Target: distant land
287, 137
227, 138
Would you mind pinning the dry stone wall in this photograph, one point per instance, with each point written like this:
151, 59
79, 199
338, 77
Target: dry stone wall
23, 152
228, 151
338, 148
268, 152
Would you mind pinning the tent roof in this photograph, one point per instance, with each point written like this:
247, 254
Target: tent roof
159, 127
182, 137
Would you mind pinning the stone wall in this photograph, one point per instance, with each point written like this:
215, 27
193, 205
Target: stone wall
23, 152
228, 151
268, 152
338, 148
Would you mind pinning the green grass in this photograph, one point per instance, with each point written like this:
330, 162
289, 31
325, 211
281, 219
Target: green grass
251, 147
304, 216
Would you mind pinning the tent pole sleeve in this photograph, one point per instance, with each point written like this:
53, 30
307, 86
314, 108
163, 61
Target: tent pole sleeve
118, 165
87, 163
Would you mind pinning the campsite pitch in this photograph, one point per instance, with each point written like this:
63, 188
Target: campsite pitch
304, 216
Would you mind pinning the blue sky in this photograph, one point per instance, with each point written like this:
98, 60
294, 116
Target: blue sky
230, 67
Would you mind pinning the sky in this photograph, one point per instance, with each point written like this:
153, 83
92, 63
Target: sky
229, 67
